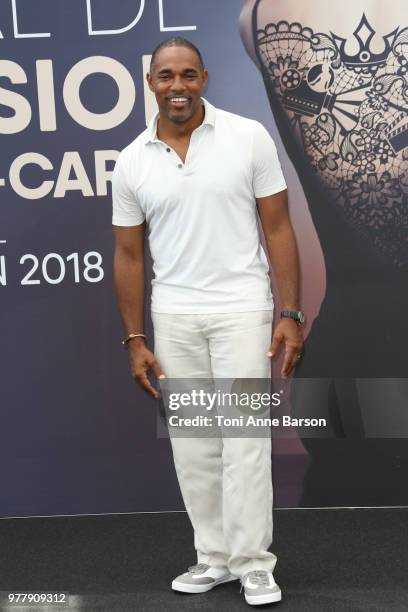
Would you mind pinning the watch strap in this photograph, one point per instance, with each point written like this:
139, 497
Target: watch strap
296, 315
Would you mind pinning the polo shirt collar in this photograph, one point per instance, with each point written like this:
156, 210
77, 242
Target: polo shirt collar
209, 119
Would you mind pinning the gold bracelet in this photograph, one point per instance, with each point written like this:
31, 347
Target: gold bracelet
130, 337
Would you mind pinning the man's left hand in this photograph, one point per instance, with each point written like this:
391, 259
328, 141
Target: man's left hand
288, 332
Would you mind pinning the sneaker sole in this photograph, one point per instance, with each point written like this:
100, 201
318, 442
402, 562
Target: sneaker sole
200, 588
255, 600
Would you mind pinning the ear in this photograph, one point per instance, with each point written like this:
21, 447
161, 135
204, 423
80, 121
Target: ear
205, 78
149, 80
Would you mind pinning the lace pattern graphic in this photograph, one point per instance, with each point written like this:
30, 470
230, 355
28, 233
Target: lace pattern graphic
349, 115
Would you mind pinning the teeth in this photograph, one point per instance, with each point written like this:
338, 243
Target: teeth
178, 99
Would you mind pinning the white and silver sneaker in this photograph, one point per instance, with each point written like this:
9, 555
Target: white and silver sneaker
260, 587
201, 578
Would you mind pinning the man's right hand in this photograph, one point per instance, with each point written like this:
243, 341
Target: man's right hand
141, 361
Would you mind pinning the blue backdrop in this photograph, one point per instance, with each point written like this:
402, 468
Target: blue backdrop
77, 435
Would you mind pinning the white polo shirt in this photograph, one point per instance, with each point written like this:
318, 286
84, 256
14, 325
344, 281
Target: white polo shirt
201, 215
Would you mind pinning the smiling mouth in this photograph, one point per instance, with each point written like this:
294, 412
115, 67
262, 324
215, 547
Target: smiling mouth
178, 101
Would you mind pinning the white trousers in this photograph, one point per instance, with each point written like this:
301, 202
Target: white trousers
226, 482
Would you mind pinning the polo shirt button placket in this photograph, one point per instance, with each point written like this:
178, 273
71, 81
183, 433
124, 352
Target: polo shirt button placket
179, 166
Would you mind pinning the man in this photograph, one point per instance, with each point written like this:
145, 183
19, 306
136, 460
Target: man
196, 177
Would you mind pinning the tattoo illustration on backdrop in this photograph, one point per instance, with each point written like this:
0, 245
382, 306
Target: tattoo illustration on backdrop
348, 114
341, 108
343, 119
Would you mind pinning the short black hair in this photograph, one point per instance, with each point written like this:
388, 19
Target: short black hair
176, 41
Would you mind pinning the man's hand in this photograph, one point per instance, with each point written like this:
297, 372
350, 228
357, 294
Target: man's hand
289, 332
141, 361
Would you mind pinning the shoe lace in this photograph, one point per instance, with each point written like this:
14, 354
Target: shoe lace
256, 577
198, 568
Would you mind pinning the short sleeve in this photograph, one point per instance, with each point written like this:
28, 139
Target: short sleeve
267, 172
126, 210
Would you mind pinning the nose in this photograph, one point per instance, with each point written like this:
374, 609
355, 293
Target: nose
177, 84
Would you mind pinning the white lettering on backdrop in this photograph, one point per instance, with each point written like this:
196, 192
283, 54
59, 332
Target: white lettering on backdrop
91, 30
71, 164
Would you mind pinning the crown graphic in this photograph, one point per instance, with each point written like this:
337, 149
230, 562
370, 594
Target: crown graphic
364, 60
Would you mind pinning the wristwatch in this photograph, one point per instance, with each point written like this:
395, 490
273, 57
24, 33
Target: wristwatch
296, 315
